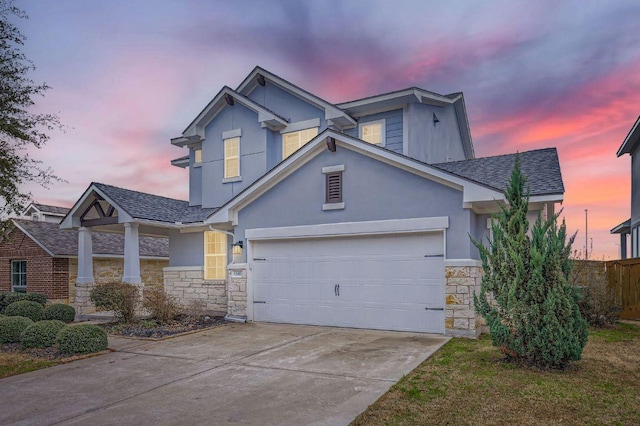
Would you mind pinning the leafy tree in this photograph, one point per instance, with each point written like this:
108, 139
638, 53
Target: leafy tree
525, 298
20, 128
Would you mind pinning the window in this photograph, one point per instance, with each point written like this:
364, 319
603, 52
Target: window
334, 187
373, 132
19, 276
197, 156
215, 255
291, 142
231, 158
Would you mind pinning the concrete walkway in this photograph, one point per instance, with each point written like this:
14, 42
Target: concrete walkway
263, 374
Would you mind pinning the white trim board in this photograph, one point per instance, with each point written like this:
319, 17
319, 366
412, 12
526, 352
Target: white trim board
350, 228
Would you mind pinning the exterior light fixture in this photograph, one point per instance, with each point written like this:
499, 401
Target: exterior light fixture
435, 119
236, 248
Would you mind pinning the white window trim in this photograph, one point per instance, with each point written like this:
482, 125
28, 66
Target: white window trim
224, 160
13, 288
223, 255
383, 131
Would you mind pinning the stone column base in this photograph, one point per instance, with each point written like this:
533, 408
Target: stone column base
237, 292
463, 279
82, 302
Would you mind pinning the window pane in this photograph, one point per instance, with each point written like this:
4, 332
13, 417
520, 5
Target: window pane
198, 156
215, 256
372, 133
291, 142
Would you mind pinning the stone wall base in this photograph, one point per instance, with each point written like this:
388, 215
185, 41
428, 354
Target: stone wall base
187, 284
237, 291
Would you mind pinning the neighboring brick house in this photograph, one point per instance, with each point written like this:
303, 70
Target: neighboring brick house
40, 257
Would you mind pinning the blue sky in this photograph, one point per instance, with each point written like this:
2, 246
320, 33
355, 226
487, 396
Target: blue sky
126, 76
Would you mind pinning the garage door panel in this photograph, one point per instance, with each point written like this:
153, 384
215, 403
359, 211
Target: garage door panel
385, 282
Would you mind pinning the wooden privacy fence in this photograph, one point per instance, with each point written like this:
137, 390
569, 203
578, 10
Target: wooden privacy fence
624, 280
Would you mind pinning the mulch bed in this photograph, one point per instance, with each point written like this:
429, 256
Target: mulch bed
155, 330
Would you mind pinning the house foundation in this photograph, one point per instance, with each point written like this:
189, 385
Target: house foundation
187, 283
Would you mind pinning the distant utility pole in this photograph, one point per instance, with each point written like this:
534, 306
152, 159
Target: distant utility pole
586, 234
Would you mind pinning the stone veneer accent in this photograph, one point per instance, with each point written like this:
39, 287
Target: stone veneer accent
109, 269
187, 283
237, 291
463, 279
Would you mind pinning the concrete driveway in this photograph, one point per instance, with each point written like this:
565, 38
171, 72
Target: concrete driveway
239, 373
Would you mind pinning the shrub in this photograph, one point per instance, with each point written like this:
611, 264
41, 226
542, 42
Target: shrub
60, 312
41, 334
12, 327
163, 307
534, 316
36, 297
596, 300
3, 294
25, 308
121, 298
83, 339
10, 298
195, 310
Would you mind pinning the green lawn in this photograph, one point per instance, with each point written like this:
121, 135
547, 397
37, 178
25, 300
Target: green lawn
466, 382
16, 363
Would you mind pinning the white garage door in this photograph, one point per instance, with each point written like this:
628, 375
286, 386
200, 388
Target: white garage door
389, 282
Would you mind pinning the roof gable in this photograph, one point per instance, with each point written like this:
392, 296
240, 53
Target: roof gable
226, 97
473, 191
632, 140
333, 114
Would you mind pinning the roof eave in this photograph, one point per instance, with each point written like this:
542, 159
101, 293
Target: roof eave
631, 141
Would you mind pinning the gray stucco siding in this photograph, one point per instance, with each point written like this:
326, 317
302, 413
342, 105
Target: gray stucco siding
253, 154
393, 128
433, 142
195, 185
186, 249
635, 188
372, 190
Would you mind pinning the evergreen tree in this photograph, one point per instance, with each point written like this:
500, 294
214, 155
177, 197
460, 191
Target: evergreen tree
525, 298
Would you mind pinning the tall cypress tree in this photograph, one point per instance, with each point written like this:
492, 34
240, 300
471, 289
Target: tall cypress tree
524, 296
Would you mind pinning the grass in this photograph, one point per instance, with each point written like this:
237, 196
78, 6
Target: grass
467, 382
17, 363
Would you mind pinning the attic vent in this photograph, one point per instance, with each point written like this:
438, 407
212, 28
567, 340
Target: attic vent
334, 187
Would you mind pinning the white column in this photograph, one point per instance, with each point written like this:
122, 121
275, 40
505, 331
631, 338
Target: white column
85, 256
131, 254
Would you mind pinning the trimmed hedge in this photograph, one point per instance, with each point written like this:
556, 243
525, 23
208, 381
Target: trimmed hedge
12, 327
25, 308
7, 298
41, 334
83, 338
60, 312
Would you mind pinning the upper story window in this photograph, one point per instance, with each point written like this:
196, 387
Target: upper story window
197, 156
215, 255
19, 276
293, 141
373, 132
232, 158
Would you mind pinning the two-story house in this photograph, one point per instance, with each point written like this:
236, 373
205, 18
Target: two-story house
631, 226
301, 211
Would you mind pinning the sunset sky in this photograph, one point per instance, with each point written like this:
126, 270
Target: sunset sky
126, 76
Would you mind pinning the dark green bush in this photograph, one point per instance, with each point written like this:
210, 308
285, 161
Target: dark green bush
7, 298
12, 327
10, 298
36, 297
41, 334
25, 308
83, 339
60, 311
121, 298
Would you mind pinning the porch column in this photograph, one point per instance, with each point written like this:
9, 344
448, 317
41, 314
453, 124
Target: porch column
131, 254
623, 245
85, 256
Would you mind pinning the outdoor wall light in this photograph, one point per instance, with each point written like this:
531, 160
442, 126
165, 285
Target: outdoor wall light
237, 248
435, 119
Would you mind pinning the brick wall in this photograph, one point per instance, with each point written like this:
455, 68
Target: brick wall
45, 274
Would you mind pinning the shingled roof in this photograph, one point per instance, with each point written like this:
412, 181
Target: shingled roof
45, 208
541, 167
141, 205
64, 242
